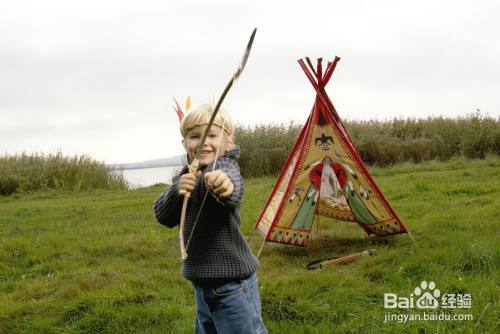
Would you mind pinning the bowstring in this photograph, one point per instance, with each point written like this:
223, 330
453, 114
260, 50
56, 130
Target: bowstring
206, 192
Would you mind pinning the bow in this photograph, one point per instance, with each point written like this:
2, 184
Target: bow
194, 166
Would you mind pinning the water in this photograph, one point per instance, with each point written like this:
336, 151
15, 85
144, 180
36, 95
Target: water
144, 177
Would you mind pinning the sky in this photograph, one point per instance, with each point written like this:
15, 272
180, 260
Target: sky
97, 77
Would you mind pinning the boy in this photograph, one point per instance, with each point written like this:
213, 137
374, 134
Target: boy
219, 265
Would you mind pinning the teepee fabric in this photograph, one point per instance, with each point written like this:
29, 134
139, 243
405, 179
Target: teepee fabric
324, 176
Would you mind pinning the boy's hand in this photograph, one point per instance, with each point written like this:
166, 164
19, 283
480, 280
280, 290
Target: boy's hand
187, 182
219, 183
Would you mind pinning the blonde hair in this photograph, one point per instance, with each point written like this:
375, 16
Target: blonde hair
201, 116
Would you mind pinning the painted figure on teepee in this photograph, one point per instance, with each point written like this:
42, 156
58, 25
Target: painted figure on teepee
324, 176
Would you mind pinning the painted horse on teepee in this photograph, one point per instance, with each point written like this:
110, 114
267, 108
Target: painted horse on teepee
324, 175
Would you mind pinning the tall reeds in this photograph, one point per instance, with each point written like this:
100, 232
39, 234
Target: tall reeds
31, 172
265, 148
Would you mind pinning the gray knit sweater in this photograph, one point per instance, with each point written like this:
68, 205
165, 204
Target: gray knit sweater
217, 252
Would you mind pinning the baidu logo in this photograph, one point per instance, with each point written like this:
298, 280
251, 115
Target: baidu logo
428, 295
425, 296
424, 302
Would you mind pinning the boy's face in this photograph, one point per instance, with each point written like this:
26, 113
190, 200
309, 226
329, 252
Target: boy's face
209, 149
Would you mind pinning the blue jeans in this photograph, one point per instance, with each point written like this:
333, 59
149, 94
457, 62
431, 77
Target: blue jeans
231, 308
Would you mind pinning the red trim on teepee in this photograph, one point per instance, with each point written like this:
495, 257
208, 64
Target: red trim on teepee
282, 173
306, 133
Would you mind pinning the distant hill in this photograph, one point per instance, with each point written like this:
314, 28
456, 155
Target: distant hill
177, 160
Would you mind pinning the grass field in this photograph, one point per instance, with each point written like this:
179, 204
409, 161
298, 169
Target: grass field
92, 262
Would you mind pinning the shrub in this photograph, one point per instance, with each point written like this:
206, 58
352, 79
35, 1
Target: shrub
34, 172
8, 184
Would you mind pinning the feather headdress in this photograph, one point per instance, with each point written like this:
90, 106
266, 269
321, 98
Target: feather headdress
178, 109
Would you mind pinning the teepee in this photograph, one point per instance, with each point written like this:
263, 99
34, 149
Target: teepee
324, 176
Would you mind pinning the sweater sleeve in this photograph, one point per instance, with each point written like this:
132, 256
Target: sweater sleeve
231, 169
168, 205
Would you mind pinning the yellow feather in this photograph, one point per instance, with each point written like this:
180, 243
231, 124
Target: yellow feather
188, 103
